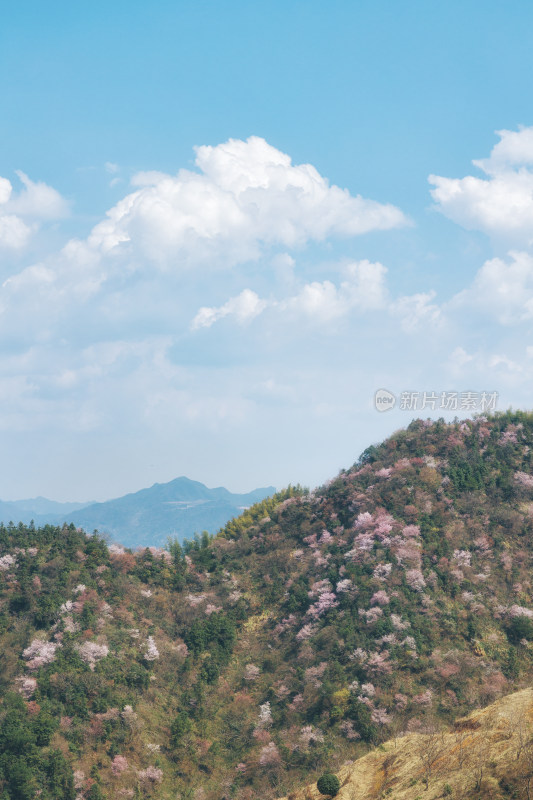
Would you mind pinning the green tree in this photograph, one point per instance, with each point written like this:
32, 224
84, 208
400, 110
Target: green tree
328, 784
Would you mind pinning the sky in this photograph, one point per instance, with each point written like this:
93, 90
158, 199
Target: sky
224, 226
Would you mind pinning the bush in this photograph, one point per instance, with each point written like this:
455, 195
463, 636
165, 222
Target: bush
328, 784
520, 628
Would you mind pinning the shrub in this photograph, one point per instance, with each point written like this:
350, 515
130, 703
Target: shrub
328, 784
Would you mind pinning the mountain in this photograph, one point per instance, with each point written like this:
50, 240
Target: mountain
313, 628
177, 509
149, 517
40, 509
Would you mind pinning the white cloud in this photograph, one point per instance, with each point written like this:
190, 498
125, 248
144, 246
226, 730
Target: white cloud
497, 361
5, 190
460, 358
417, 310
244, 307
515, 148
14, 233
501, 288
364, 289
246, 196
22, 212
38, 201
501, 204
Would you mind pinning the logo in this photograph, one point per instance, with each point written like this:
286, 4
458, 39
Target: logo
384, 400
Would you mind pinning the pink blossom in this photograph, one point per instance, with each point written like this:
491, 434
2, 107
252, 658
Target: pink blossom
348, 730
382, 571
313, 674
195, 599
251, 672
27, 686
384, 473
415, 579
265, 715
400, 701
389, 638
411, 531
212, 609
319, 587
364, 542
359, 655
297, 702
524, 479
152, 653
40, 653
520, 611
310, 735
424, 699
508, 436
380, 717
372, 615
462, 557
118, 765
507, 561
344, 586
7, 562
380, 598
79, 779
320, 559
379, 664
398, 623
151, 775
363, 520
324, 603
306, 632
368, 690
407, 552
269, 756
91, 652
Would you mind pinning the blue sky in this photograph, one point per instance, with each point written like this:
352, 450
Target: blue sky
224, 226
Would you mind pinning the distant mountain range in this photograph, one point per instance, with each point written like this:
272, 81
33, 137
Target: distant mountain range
178, 509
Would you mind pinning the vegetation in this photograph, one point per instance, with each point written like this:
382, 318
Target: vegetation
485, 756
311, 629
328, 784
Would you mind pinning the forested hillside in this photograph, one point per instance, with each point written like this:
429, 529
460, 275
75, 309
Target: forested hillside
311, 628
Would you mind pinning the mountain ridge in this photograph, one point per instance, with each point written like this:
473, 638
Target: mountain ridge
145, 517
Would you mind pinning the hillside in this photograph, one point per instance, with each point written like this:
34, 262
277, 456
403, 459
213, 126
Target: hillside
488, 754
177, 509
312, 628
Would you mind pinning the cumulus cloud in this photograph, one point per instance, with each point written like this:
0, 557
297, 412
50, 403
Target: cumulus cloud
244, 307
500, 204
502, 288
245, 197
417, 310
363, 289
22, 212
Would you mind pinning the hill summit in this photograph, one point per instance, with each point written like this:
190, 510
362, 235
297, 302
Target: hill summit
312, 628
